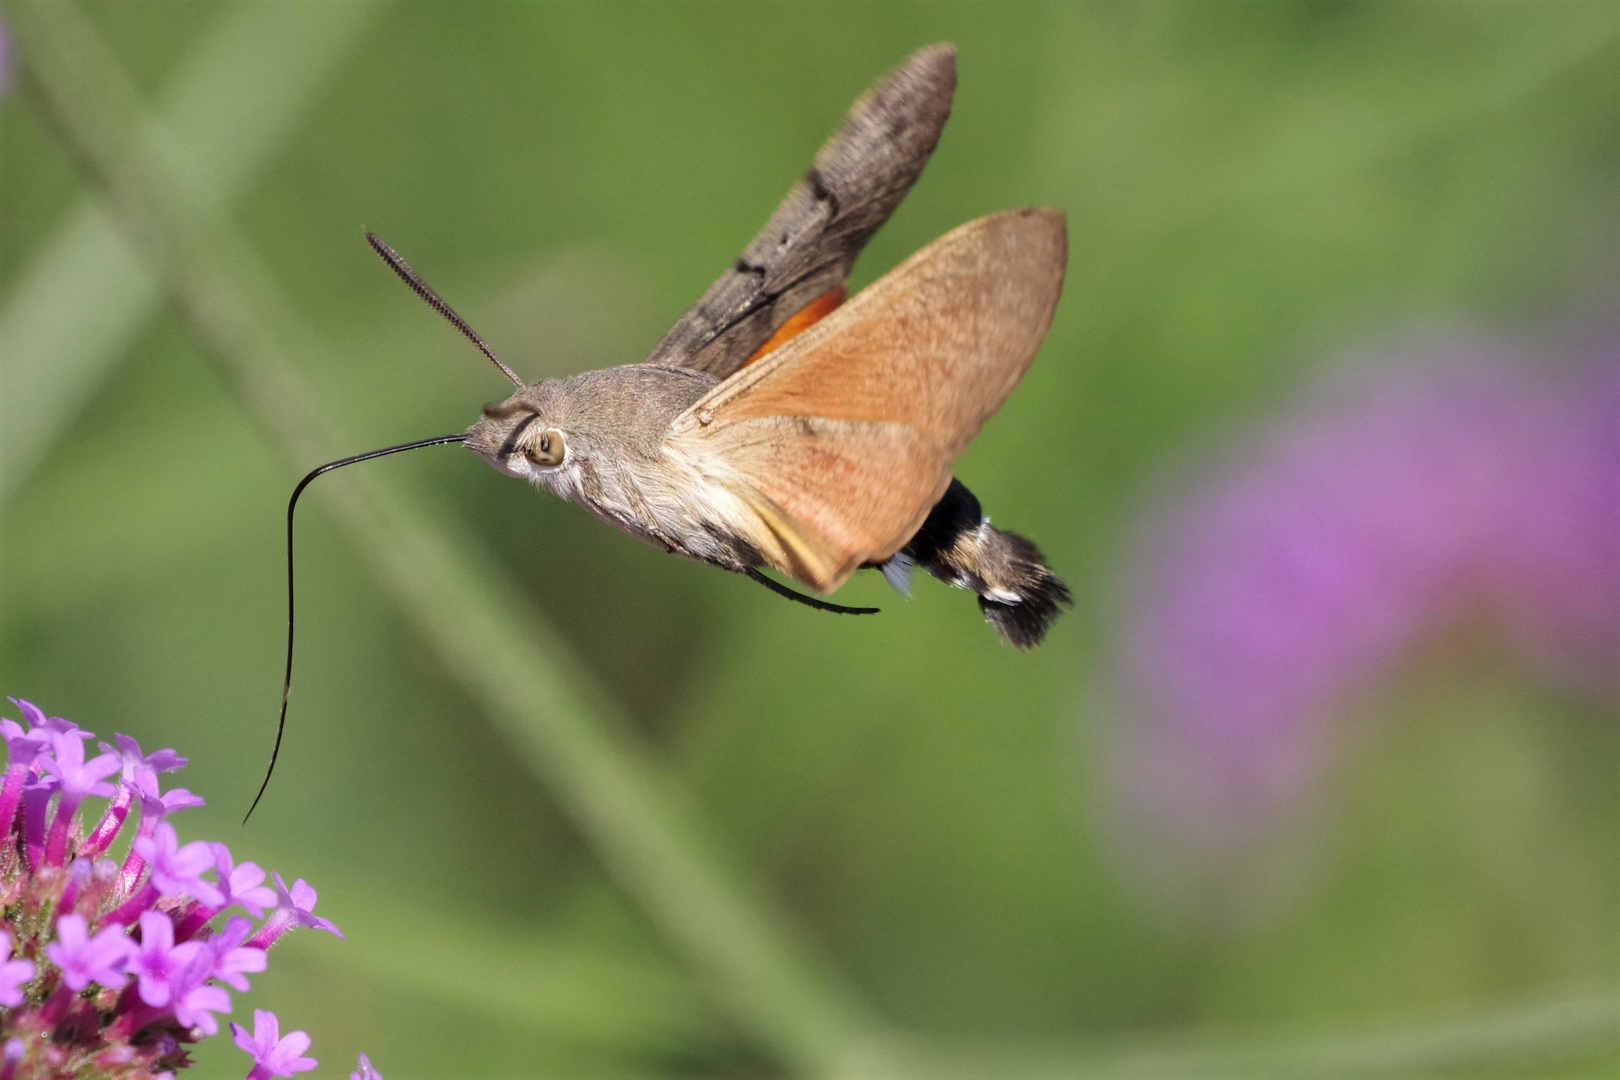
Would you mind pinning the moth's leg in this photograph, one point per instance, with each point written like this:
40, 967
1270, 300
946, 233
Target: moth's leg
671, 545
808, 601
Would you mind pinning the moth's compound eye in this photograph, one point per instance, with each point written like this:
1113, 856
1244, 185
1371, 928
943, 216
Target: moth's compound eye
548, 448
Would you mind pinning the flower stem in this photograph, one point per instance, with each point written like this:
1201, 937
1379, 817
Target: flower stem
67, 807
106, 830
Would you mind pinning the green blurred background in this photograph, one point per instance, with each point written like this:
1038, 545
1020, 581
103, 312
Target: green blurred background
1249, 187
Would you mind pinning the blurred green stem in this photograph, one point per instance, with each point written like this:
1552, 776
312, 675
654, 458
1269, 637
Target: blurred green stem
1574, 1028
69, 317
523, 673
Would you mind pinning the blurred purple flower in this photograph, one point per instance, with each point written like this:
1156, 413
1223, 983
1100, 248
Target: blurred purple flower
5, 59
13, 973
365, 1071
195, 998
1460, 484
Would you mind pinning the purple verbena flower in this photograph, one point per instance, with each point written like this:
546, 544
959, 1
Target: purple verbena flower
73, 773
178, 799
365, 1071
154, 808
13, 973
274, 1054
85, 959
294, 907
178, 870
11, 1057
243, 885
76, 778
55, 725
39, 724
22, 748
140, 770
23, 745
232, 959
195, 998
157, 959
74, 926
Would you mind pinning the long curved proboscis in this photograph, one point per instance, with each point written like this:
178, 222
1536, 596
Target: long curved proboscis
292, 505
435, 301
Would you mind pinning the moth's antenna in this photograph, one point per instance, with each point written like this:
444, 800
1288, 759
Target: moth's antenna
434, 301
808, 601
292, 504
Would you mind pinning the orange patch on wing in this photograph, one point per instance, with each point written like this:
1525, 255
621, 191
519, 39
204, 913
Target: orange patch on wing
802, 320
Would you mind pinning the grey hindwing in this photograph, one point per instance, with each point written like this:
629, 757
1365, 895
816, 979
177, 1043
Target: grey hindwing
810, 243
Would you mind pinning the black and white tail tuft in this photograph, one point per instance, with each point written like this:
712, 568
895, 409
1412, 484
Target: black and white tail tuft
1018, 593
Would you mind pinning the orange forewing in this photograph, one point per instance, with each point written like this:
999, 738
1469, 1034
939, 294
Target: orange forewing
841, 440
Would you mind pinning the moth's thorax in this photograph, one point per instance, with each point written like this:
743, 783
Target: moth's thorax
613, 424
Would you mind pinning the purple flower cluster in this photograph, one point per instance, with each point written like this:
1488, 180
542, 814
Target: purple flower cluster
1462, 485
112, 968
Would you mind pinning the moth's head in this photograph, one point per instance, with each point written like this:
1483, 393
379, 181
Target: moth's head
525, 435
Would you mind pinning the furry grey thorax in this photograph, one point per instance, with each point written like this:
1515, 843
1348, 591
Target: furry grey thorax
616, 465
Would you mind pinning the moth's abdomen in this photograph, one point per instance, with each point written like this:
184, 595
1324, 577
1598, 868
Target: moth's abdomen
1024, 596
1018, 593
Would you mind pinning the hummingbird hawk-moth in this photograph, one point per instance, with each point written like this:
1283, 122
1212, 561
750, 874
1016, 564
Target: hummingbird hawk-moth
779, 424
